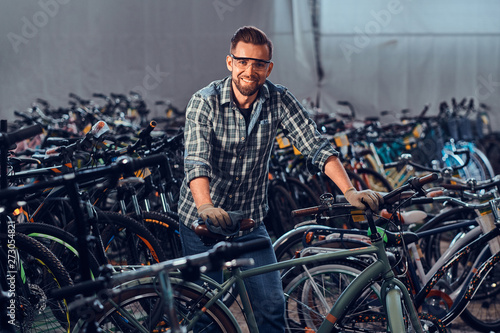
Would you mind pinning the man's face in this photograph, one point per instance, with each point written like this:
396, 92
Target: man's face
249, 80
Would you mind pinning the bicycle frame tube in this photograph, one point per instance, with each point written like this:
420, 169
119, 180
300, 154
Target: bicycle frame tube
375, 270
470, 280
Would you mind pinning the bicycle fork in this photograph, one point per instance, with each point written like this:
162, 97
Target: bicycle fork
393, 295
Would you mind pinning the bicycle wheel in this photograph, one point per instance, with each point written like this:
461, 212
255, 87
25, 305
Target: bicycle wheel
479, 167
310, 296
61, 243
435, 245
356, 180
374, 180
286, 246
143, 303
166, 230
483, 311
127, 242
326, 184
39, 271
279, 218
301, 193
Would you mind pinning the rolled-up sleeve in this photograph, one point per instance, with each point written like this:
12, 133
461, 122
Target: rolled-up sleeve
303, 132
197, 139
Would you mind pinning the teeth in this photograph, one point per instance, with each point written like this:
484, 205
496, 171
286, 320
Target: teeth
249, 81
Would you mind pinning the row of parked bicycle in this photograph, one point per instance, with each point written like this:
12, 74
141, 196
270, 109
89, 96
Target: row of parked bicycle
92, 207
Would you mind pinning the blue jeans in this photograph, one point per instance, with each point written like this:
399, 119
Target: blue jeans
265, 291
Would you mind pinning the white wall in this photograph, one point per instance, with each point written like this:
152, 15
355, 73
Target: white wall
421, 52
395, 54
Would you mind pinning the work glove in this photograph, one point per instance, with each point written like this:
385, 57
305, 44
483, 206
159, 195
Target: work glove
218, 216
359, 198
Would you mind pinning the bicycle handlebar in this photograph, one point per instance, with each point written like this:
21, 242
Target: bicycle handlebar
125, 165
215, 257
421, 167
472, 184
6, 139
414, 184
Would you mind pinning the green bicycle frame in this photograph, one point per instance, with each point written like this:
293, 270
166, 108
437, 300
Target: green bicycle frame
380, 268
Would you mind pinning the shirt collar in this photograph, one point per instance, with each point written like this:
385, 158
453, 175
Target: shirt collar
227, 97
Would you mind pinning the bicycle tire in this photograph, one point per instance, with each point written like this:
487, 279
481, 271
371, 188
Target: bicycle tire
281, 204
356, 180
302, 194
326, 184
40, 271
482, 312
303, 311
484, 163
123, 234
125, 240
479, 166
286, 246
166, 230
432, 245
374, 180
61, 243
135, 299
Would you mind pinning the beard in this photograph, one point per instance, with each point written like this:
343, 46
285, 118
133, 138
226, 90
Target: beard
245, 88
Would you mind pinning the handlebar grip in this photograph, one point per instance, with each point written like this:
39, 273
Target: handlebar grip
400, 196
328, 121
79, 288
23, 134
43, 102
136, 164
424, 111
454, 187
421, 201
235, 249
22, 115
135, 93
75, 96
308, 211
99, 95
463, 151
392, 164
413, 183
462, 102
145, 132
471, 104
428, 179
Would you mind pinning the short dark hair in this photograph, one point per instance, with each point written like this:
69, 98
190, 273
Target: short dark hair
251, 35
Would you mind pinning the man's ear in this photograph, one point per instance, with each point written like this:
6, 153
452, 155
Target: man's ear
229, 63
269, 69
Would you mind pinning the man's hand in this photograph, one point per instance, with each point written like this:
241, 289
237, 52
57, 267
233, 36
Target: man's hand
218, 216
359, 198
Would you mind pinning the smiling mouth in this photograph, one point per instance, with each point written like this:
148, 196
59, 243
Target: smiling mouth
248, 80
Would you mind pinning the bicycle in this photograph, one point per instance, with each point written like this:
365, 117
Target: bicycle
445, 291
141, 299
394, 296
28, 267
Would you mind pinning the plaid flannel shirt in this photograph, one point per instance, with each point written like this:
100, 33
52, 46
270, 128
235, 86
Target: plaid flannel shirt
234, 156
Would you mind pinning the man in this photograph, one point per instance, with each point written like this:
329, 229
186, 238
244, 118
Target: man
230, 129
